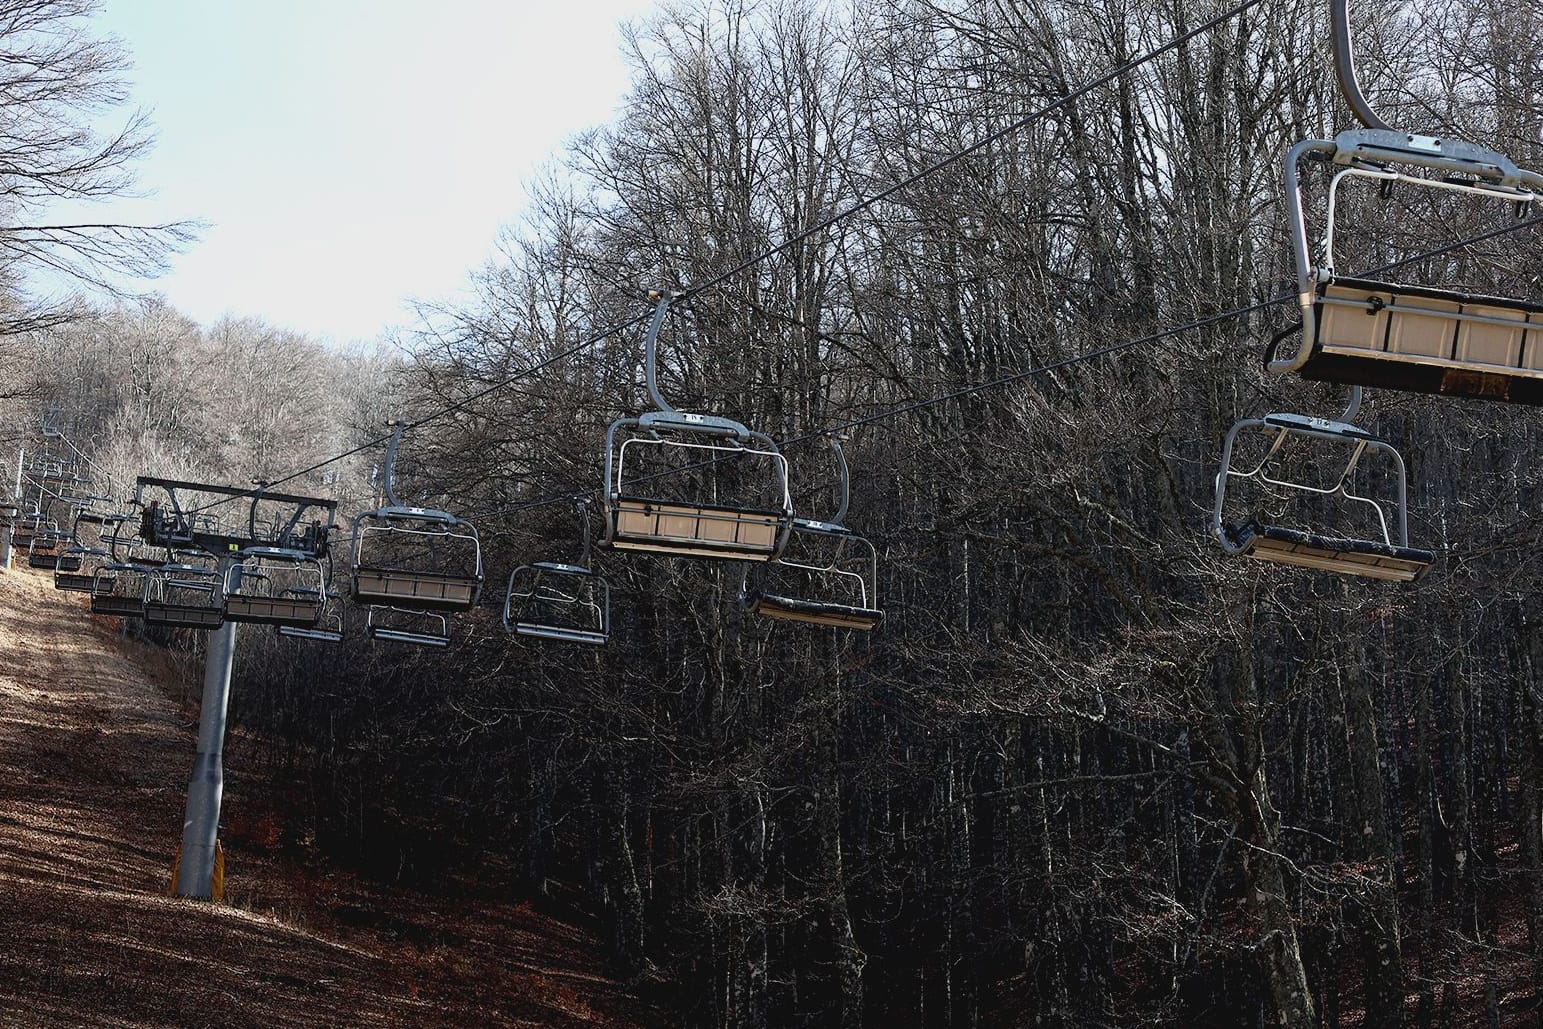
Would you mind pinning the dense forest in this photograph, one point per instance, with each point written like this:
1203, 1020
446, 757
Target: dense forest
1091, 771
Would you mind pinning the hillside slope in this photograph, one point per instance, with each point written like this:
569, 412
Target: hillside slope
94, 760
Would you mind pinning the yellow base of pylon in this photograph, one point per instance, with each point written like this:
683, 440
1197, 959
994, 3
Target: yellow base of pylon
216, 883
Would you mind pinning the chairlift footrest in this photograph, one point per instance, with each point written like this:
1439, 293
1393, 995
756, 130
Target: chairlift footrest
1369, 558
563, 634
815, 612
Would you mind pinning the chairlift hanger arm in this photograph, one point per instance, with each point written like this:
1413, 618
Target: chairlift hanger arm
1345, 70
651, 348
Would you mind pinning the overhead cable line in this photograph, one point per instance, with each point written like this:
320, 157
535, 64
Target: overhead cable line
1067, 362
819, 227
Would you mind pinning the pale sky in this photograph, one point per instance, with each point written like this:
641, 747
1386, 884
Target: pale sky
348, 154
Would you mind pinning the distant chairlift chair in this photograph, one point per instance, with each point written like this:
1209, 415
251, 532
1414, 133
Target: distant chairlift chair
328, 628
1424, 338
45, 546
186, 594
555, 601
419, 563
1388, 556
828, 575
75, 570
118, 586
682, 510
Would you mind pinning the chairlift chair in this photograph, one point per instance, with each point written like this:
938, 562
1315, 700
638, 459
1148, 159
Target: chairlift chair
414, 558
556, 601
328, 628
184, 595
1425, 338
44, 547
680, 508
77, 568
828, 575
48, 422
119, 589
70, 571
1387, 555
275, 586
118, 586
26, 529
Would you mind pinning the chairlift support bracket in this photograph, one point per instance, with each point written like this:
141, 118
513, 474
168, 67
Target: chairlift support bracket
178, 527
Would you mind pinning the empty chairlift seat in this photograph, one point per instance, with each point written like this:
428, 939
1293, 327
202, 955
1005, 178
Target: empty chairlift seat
416, 559
1423, 337
77, 568
328, 628
184, 595
705, 488
413, 566
118, 588
275, 586
44, 548
694, 485
1300, 469
558, 601
827, 575
554, 601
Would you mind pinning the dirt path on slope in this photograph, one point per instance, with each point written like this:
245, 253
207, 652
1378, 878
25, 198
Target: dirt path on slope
94, 762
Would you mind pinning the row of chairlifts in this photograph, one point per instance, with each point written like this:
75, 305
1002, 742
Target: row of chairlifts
675, 483
162, 566
1360, 330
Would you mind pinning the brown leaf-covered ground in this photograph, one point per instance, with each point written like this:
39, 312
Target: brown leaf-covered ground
94, 758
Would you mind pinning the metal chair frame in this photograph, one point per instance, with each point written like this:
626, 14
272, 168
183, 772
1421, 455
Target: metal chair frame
275, 586
689, 527
381, 583
547, 586
328, 628
186, 596
1371, 332
1385, 558
855, 606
